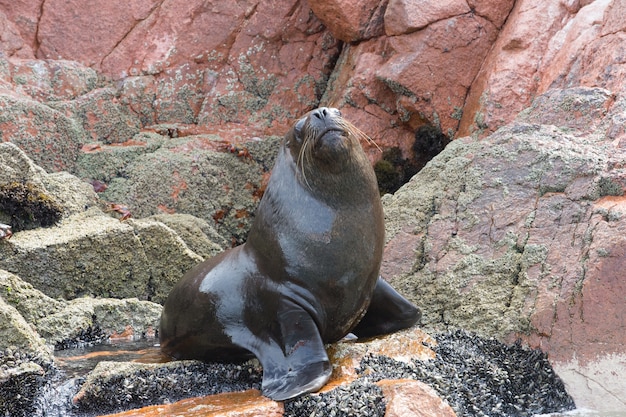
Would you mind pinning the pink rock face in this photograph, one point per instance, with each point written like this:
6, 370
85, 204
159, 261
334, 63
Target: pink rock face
546, 45
25, 15
264, 62
406, 16
394, 85
350, 21
261, 63
10, 40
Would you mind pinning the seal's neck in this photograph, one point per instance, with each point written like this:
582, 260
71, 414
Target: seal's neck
354, 180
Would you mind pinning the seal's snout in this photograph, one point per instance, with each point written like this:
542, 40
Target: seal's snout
325, 120
325, 112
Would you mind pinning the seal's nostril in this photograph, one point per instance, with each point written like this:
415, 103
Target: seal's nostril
321, 113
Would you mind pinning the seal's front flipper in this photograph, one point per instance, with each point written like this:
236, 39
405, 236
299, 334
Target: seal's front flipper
387, 313
301, 365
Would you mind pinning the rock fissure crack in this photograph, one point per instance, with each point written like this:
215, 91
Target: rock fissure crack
130, 30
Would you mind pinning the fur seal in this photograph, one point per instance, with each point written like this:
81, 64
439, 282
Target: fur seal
307, 273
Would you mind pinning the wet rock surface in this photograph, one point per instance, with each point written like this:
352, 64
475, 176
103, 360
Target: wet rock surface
112, 386
481, 377
475, 376
360, 398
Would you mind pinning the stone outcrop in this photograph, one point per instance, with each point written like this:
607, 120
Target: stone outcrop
31, 324
462, 66
259, 64
413, 398
520, 235
542, 46
87, 252
203, 178
54, 322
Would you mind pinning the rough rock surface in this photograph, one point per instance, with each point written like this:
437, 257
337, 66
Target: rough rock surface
61, 323
413, 398
542, 46
87, 252
263, 62
202, 178
521, 234
96, 255
72, 195
254, 65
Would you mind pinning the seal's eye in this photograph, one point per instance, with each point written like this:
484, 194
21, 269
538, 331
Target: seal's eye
298, 127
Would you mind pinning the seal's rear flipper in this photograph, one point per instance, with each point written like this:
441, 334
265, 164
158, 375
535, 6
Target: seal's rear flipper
387, 313
301, 364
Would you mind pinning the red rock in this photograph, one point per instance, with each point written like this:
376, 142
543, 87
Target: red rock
109, 24
406, 16
495, 12
508, 78
173, 34
25, 15
407, 397
566, 54
32, 78
389, 87
11, 42
543, 46
350, 21
436, 66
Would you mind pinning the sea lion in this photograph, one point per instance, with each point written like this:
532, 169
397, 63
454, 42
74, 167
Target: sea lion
305, 276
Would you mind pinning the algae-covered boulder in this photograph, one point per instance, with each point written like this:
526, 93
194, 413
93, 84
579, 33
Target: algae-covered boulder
51, 139
31, 303
32, 198
500, 225
101, 115
17, 334
167, 256
86, 255
31, 323
522, 235
199, 235
196, 175
93, 254
100, 318
83, 251
62, 323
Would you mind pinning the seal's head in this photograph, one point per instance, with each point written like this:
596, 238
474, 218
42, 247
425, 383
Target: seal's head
325, 139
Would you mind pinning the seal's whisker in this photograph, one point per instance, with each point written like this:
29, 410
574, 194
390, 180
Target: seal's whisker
358, 133
301, 159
